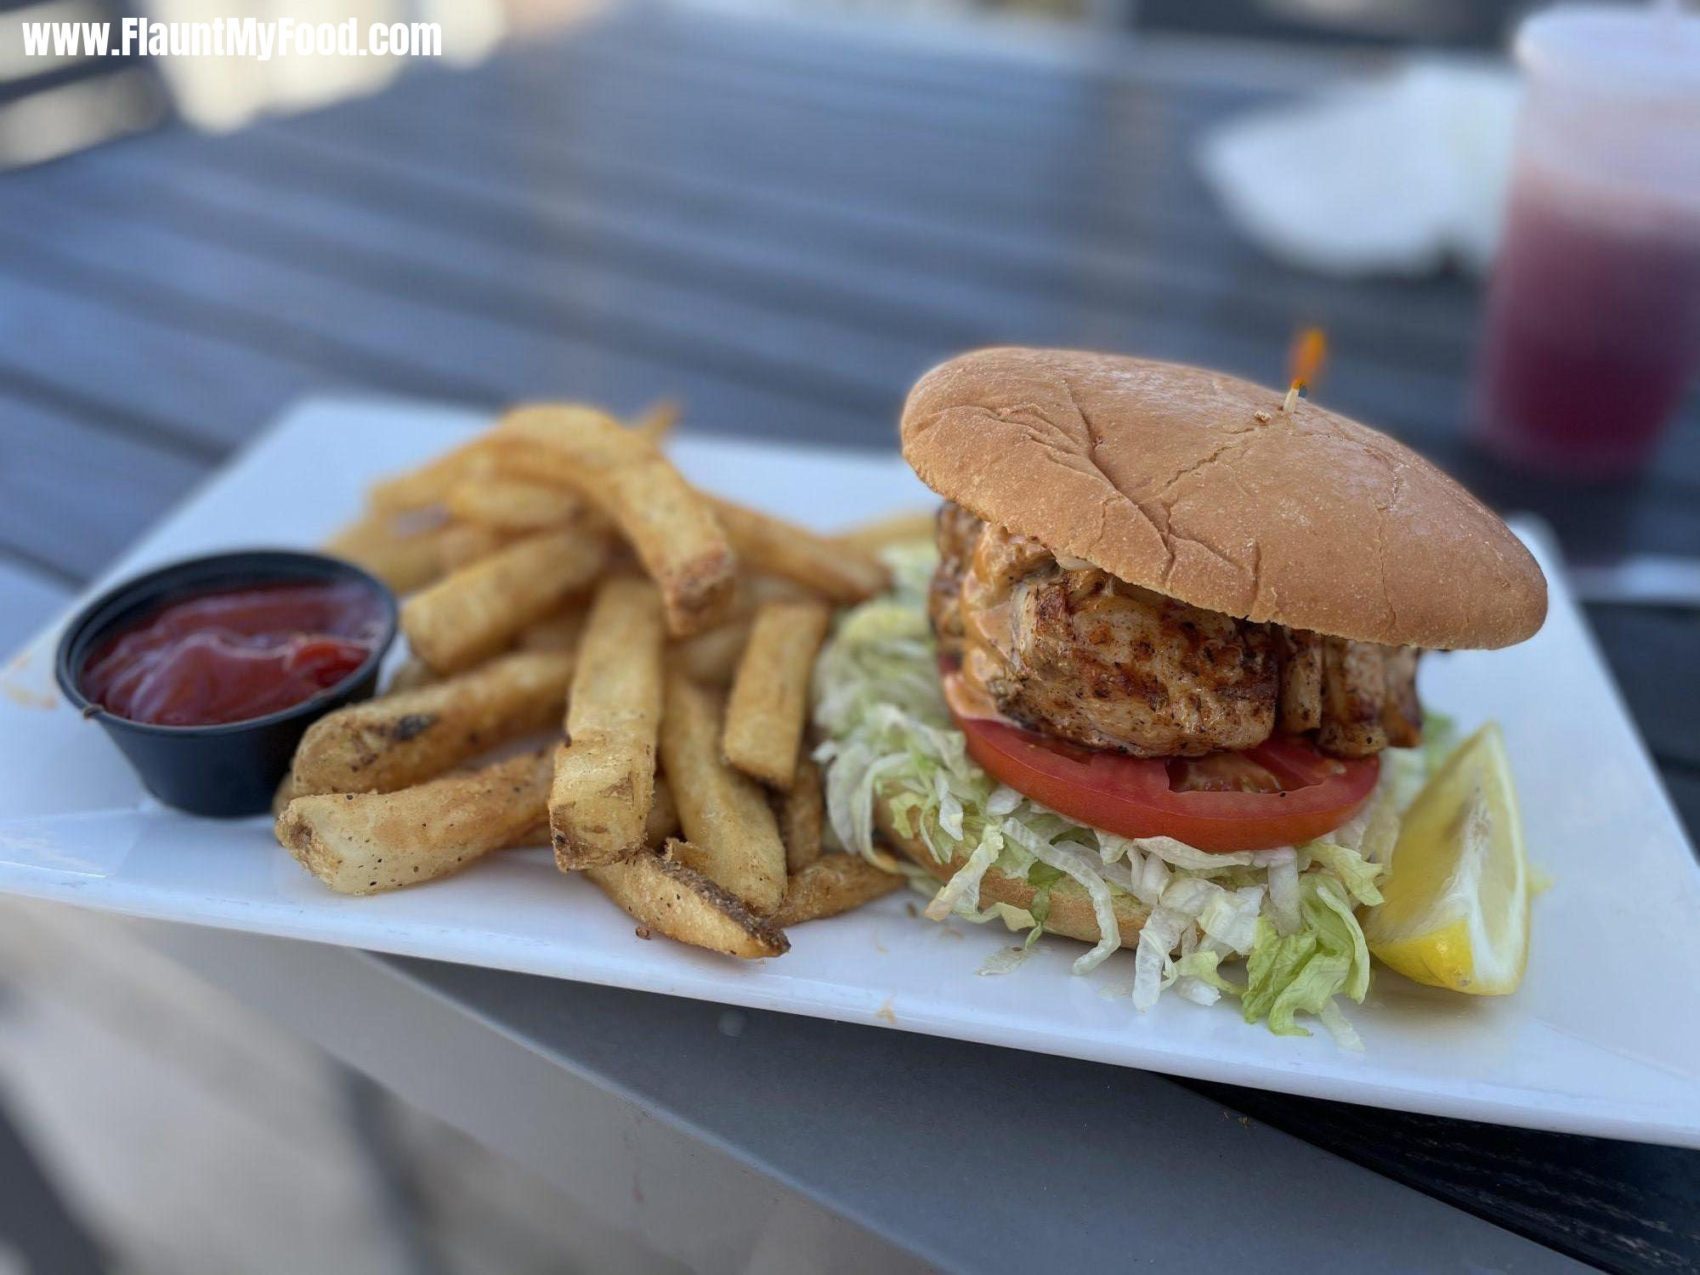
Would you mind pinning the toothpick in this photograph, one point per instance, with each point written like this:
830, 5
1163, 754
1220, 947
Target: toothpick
1310, 347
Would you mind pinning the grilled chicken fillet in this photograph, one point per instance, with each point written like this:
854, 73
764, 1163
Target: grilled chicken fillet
1070, 650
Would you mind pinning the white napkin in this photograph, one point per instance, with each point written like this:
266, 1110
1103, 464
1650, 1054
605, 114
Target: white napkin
1398, 176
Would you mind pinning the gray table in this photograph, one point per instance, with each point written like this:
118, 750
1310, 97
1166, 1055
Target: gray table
736, 1140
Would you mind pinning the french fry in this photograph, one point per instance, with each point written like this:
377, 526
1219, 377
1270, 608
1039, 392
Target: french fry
431, 482
712, 657
832, 884
403, 560
802, 814
829, 568
670, 527
723, 813
362, 843
512, 504
403, 739
895, 529
605, 772
558, 632
666, 897
770, 695
460, 544
478, 610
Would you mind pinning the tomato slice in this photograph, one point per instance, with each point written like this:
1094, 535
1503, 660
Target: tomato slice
1283, 792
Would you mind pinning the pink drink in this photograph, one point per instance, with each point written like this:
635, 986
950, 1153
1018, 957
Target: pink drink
1592, 334
1592, 331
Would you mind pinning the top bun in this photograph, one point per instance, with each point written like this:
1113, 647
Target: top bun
1198, 486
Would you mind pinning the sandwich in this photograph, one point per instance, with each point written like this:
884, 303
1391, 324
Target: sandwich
1155, 684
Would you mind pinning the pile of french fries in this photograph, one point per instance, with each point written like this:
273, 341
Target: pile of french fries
563, 579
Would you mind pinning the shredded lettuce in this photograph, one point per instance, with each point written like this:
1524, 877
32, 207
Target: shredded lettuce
1287, 913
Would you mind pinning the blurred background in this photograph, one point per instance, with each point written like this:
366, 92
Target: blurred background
54, 105
780, 211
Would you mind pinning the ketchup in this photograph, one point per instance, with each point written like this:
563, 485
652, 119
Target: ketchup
233, 655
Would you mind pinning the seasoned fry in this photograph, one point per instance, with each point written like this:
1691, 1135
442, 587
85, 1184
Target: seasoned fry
512, 504
479, 609
894, 529
770, 696
831, 569
558, 632
670, 527
361, 843
501, 542
403, 560
833, 884
461, 544
605, 772
431, 483
666, 897
802, 814
407, 738
712, 657
724, 813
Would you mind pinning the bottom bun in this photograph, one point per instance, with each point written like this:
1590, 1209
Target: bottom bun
1071, 912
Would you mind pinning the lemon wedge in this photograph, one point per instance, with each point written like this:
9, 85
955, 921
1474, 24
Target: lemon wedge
1455, 908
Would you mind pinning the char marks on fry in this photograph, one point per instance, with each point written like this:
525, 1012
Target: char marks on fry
412, 736
662, 894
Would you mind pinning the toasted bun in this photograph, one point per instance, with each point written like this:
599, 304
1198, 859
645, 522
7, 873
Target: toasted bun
1197, 485
1071, 910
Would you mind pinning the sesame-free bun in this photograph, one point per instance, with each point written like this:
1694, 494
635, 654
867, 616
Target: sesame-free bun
1198, 486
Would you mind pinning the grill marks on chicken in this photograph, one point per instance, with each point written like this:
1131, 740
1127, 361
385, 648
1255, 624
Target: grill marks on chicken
1072, 651
1109, 665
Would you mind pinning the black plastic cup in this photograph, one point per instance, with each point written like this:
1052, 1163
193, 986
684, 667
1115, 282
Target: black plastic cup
233, 768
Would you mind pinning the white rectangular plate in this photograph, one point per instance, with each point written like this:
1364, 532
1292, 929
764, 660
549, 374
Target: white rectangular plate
1604, 1037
